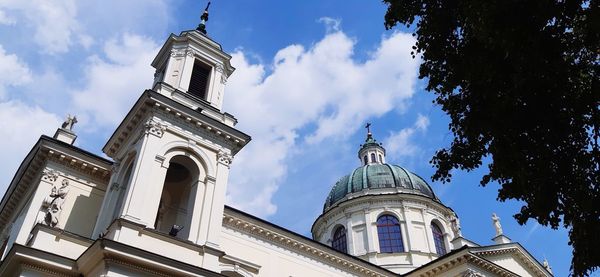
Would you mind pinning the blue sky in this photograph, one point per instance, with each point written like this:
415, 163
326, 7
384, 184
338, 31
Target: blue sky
309, 75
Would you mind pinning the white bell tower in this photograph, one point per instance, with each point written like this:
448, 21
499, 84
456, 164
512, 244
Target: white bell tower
173, 150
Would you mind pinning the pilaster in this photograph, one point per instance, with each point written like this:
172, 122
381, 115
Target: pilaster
217, 204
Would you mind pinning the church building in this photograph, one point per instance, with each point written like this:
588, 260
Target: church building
156, 205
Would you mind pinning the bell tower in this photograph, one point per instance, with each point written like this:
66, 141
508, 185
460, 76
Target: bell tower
192, 69
173, 150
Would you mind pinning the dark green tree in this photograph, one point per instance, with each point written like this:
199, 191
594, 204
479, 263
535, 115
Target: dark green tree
519, 81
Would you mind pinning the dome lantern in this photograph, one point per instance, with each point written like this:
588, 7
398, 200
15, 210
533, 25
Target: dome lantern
371, 152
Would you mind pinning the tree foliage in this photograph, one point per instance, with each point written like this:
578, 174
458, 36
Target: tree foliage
519, 80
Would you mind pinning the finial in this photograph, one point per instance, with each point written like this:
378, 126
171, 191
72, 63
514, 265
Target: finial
368, 127
203, 19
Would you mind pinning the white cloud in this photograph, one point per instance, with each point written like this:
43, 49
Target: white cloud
13, 71
53, 21
323, 86
58, 25
332, 24
20, 127
6, 19
112, 84
401, 143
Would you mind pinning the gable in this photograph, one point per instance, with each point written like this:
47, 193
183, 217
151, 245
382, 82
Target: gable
512, 257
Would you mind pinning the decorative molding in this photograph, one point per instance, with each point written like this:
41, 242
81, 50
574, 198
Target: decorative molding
50, 175
47, 271
224, 157
471, 273
155, 128
136, 267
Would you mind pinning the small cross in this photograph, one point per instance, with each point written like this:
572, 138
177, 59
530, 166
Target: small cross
368, 126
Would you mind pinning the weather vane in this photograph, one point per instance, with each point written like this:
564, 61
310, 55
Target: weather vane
203, 19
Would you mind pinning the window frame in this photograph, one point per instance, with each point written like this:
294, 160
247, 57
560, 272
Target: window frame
339, 240
438, 239
389, 234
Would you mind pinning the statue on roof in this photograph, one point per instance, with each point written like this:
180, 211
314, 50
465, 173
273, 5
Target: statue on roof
496, 221
69, 122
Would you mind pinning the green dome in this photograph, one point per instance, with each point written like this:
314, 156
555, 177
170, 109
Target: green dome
383, 177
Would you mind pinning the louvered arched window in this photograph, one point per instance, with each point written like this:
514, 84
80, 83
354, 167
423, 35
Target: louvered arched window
438, 239
390, 237
373, 158
339, 240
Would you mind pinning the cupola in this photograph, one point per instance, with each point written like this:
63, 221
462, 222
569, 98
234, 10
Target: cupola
371, 152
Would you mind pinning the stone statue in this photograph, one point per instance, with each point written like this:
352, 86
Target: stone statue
69, 122
497, 225
547, 266
56, 200
455, 224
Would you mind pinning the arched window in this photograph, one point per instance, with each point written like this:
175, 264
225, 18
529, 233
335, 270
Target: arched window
380, 158
438, 239
339, 240
373, 159
365, 159
390, 237
177, 199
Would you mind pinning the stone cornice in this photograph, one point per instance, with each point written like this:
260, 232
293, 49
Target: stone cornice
48, 264
136, 259
152, 102
242, 223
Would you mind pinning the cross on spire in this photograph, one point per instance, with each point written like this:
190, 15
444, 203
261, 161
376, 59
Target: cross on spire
203, 19
368, 127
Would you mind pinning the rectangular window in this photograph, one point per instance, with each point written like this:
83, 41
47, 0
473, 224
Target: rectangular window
199, 80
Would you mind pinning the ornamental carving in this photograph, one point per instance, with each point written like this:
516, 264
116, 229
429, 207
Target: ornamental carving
155, 128
224, 158
219, 68
471, 273
456, 229
115, 186
115, 167
177, 53
54, 203
191, 52
49, 175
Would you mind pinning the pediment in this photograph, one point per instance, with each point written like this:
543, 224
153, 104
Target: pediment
513, 257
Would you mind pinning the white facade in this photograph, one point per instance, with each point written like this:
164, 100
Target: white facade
157, 206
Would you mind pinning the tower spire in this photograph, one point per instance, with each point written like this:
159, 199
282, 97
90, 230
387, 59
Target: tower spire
203, 19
